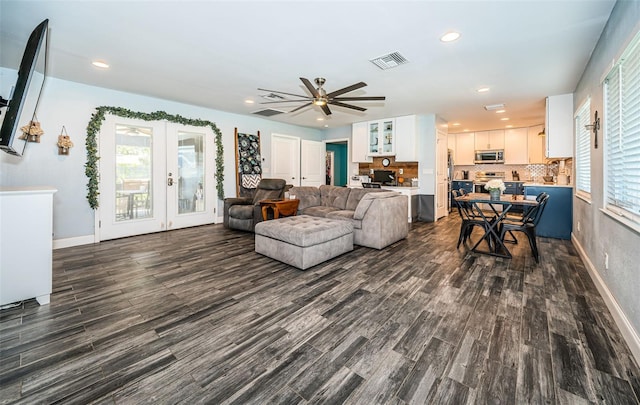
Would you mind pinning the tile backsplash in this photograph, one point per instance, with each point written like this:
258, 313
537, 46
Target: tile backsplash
532, 173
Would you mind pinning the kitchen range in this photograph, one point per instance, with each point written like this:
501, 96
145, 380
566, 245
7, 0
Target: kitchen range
483, 178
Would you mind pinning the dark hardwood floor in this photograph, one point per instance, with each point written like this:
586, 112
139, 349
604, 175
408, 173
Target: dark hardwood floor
195, 316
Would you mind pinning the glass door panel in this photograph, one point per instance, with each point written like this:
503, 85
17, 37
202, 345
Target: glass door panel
133, 173
191, 193
387, 137
373, 137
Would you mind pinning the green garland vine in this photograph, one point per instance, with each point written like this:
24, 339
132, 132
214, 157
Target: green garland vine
93, 128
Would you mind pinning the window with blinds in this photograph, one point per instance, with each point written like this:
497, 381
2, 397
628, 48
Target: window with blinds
622, 132
583, 150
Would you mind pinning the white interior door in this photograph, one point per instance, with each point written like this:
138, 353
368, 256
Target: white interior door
154, 176
441, 175
313, 163
285, 158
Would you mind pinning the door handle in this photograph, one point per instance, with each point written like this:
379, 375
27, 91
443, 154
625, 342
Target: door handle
170, 181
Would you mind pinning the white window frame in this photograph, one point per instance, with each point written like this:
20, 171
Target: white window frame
583, 150
621, 96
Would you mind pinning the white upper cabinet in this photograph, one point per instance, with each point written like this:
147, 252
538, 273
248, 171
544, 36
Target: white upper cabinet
535, 145
382, 137
360, 143
465, 149
485, 140
559, 126
515, 146
406, 139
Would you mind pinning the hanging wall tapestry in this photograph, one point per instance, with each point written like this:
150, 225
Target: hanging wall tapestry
248, 163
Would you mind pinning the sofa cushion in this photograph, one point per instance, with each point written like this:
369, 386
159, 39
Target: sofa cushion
318, 211
341, 214
262, 194
368, 199
356, 195
241, 211
333, 196
308, 196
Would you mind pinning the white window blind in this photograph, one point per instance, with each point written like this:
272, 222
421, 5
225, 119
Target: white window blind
583, 149
622, 131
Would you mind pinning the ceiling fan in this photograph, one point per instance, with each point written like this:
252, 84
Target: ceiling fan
321, 98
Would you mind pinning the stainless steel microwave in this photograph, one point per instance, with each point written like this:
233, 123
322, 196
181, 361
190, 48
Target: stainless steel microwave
489, 156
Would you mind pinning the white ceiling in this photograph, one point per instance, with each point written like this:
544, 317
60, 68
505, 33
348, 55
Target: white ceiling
217, 54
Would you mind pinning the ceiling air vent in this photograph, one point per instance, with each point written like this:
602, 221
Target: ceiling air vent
493, 107
268, 112
389, 61
273, 97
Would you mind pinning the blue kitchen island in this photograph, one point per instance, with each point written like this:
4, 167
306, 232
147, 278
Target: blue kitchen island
557, 218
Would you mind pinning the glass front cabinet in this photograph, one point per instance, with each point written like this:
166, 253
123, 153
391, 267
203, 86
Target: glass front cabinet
381, 138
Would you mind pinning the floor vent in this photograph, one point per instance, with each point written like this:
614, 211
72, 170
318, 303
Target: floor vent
268, 112
389, 61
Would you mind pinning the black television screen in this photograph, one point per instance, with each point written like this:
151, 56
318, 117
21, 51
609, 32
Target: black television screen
27, 90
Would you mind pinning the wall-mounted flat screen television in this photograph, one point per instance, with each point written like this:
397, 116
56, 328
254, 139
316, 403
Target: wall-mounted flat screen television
26, 93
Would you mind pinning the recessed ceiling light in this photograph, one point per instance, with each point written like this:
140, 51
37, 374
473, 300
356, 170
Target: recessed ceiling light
465, 130
101, 64
508, 126
456, 124
319, 119
504, 119
501, 111
450, 36
483, 89
247, 101
326, 125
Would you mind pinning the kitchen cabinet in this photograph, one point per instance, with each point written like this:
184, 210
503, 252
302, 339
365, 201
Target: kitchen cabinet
557, 217
515, 146
485, 140
451, 144
559, 126
406, 139
360, 143
381, 137
465, 149
467, 185
535, 145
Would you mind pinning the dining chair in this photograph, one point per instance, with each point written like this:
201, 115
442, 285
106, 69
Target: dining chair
527, 225
469, 220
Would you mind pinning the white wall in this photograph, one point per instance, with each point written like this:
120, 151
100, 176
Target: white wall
598, 232
71, 104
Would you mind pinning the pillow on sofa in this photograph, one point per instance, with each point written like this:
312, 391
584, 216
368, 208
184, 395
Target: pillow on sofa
333, 196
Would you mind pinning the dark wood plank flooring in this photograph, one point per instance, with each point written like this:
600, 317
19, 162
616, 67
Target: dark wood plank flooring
195, 316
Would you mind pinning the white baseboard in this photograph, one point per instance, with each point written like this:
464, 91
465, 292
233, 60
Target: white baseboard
629, 334
75, 241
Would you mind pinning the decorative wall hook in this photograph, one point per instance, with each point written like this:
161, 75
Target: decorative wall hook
32, 131
594, 127
64, 142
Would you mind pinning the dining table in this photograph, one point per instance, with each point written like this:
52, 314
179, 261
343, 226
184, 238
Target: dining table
493, 212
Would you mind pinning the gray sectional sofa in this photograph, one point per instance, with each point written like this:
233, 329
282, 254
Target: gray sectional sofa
379, 217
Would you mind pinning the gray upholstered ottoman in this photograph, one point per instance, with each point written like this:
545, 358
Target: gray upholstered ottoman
303, 241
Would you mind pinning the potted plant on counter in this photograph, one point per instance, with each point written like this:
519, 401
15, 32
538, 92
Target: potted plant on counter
495, 187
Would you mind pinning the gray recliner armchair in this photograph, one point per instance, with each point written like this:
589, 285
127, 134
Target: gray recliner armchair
243, 213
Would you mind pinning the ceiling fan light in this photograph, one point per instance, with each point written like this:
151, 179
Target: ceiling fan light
320, 102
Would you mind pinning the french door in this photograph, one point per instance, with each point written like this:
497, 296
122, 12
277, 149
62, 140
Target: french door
154, 176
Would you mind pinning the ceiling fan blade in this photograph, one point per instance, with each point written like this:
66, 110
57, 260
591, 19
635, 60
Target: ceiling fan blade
301, 107
326, 109
310, 87
282, 92
353, 107
285, 101
347, 89
365, 98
